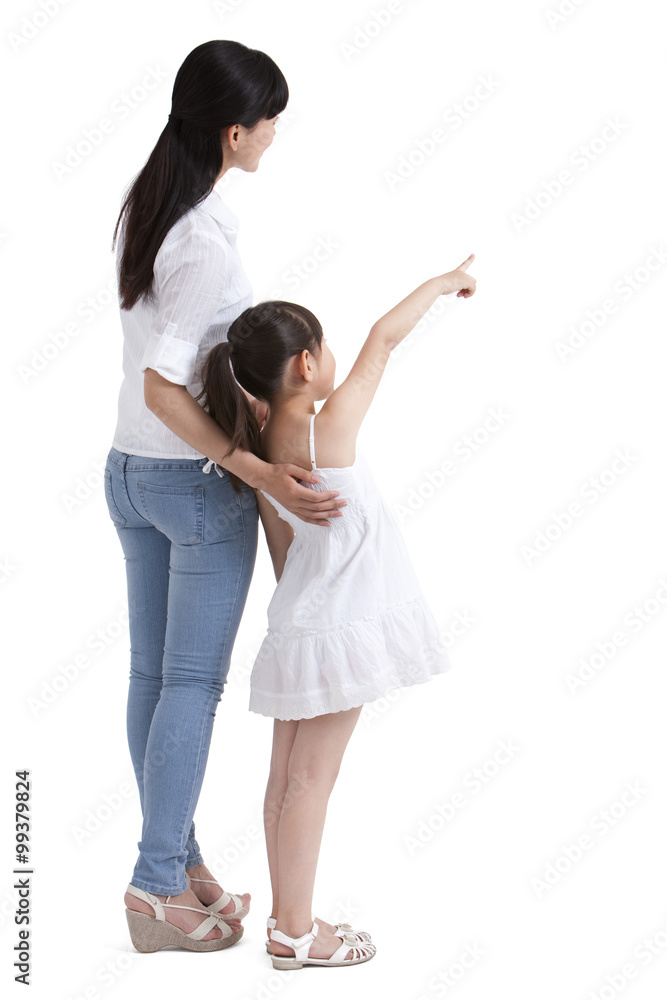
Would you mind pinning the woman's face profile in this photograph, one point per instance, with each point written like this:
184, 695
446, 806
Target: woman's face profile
250, 144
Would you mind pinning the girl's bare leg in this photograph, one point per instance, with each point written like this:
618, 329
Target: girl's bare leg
283, 739
312, 750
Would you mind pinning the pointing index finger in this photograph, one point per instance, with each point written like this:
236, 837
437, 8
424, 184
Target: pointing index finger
466, 263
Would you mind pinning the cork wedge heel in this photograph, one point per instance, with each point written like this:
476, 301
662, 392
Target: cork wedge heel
149, 933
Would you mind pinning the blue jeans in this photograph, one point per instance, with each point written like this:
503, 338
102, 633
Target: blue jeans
190, 545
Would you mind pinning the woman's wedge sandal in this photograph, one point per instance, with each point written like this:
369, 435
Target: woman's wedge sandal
238, 913
152, 933
301, 947
363, 937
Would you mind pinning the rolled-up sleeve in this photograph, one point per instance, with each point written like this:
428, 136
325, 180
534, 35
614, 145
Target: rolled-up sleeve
190, 278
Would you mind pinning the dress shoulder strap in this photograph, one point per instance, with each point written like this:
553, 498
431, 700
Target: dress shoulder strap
312, 440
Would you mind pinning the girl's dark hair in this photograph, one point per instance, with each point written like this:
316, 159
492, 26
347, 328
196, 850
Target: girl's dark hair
260, 343
220, 83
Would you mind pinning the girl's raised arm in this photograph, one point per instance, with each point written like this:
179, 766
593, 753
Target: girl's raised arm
348, 404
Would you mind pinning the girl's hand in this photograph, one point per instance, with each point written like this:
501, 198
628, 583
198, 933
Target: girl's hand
458, 281
311, 506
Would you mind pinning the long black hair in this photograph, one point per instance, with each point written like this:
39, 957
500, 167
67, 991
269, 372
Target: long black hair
219, 84
260, 343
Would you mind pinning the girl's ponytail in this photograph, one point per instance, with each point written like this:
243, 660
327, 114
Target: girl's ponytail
228, 405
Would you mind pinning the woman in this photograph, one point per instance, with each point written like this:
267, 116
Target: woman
189, 538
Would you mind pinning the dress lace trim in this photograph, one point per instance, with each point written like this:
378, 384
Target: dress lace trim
273, 706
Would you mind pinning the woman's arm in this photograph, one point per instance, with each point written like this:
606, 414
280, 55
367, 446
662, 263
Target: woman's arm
182, 414
191, 274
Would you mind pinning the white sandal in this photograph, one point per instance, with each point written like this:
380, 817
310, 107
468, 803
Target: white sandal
301, 946
362, 937
238, 913
152, 933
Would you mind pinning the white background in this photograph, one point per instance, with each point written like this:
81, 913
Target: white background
494, 877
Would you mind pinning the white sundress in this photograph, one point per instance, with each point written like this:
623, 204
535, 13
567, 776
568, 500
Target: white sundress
347, 622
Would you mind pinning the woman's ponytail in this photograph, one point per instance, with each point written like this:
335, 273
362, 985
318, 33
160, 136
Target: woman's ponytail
219, 84
228, 405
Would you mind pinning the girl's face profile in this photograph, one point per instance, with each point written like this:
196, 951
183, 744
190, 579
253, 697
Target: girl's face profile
326, 368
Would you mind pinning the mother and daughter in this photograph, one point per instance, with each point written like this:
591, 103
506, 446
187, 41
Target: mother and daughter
215, 385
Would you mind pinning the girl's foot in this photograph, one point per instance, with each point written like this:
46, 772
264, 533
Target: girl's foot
186, 920
324, 945
207, 892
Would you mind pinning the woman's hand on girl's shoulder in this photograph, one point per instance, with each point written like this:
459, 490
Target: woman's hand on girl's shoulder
312, 506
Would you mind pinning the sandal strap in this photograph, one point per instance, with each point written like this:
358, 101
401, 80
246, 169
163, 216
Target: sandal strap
301, 945
219, 904
358, 951
157, 904
362, 936
181, 906
341, 930
359, 937
222, 901
148, 897
205, 926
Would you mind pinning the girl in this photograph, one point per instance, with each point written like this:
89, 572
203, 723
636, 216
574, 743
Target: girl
189, 539
348, 621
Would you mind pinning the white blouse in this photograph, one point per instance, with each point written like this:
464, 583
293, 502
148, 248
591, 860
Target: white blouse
200, 288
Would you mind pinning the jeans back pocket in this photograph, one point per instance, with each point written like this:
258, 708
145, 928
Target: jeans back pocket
176, 511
